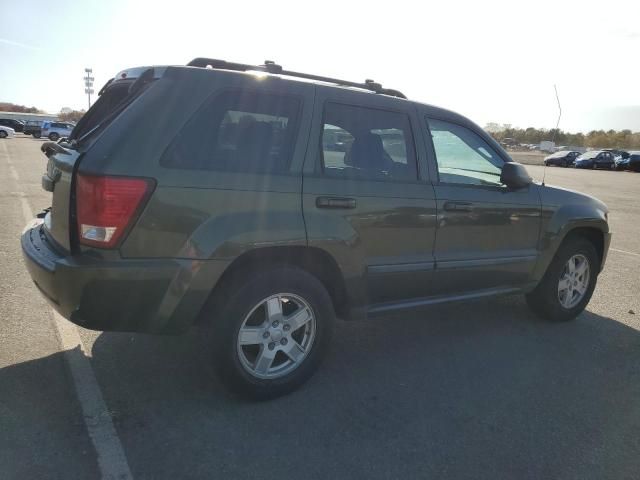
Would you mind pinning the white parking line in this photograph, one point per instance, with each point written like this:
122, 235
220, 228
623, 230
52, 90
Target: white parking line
624, 251
112, 461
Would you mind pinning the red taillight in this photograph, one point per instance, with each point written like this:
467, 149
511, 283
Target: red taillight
106, 206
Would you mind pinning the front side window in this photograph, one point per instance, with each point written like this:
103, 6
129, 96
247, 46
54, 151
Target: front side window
463, 157
238, 132
366, 143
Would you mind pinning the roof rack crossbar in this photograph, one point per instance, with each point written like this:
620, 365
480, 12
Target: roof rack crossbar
271, 67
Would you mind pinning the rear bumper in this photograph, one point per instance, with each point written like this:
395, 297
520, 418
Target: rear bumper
154, 296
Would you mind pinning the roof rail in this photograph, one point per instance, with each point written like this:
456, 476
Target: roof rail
272, 67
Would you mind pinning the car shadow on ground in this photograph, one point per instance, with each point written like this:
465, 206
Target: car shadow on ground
477, 390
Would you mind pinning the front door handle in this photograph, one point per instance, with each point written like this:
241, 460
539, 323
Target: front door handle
458, 206
335, 202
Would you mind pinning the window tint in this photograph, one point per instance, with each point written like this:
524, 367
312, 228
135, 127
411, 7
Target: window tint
366, 143
238, 132
463, 156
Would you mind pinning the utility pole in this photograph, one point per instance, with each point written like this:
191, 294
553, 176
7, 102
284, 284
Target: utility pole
88, 84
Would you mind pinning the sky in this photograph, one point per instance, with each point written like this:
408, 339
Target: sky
492, 61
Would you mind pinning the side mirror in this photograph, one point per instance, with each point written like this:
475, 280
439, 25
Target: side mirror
515, 176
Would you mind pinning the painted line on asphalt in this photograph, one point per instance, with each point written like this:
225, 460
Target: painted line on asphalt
624, 251
111, 458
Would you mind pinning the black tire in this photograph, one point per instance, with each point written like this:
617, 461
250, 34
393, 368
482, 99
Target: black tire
3, 134
544, 300
235, 302
54, 137
37, 135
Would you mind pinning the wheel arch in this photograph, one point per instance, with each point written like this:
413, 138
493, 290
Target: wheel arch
594, 230
312, 260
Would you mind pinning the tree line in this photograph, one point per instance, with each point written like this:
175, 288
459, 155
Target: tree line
12, 107
66, 114
623, 139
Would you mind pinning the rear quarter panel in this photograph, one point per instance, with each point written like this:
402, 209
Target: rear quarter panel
202, 214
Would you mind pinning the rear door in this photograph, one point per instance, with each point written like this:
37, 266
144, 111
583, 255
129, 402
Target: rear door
366, 198
487, 234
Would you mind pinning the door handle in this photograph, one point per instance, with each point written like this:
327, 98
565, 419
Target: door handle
458, 206
335, 202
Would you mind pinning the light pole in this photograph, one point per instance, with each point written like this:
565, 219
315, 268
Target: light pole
88, 83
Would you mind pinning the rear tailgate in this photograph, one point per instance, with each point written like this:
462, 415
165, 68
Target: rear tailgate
64, 157
59, 180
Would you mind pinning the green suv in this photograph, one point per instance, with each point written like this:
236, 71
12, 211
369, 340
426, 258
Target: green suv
264, 203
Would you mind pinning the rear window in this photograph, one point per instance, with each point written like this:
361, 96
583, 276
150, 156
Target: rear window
238, 132
114, 98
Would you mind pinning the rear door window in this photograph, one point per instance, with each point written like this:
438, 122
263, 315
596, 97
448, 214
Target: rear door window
238, 132
367, 143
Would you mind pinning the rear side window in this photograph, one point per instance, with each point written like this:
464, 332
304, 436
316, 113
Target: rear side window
366, 143
238, 132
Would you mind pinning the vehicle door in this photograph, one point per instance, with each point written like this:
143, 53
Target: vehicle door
487, 233
366, 195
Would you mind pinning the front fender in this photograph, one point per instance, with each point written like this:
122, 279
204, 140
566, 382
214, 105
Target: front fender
558, 222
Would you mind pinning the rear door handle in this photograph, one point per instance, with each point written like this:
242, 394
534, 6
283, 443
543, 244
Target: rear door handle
335, 202
458, 206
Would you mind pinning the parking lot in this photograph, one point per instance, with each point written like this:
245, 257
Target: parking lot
476, 390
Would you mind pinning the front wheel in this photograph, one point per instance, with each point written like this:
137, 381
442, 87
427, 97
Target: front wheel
3, 134
37, 135
54, 137
567, 286
272, 331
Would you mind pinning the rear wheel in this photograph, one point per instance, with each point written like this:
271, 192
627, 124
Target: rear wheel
272, 331
53, 136
3, 134
37, 135
567, 286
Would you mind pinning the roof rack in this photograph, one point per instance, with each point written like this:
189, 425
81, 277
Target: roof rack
272, 67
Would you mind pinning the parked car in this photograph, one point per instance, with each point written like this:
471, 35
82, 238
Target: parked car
33, 127
617, 153
634, 161
231, 214
595, 159
16, 125
54, 130
7, 132
564, 158
622, 163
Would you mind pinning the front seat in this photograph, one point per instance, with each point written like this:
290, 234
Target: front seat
254, 148
367, 153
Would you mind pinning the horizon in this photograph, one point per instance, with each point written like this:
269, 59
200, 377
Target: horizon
496, 71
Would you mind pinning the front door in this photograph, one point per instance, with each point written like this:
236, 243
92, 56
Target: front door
364, 199
487, 234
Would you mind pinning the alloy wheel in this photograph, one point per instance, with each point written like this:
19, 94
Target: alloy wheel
276, 336
574, 281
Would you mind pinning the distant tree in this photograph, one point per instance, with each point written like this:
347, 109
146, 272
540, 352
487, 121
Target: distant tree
68, 115
625, 139
12, 107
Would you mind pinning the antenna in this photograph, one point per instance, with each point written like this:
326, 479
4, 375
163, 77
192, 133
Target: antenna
553, 138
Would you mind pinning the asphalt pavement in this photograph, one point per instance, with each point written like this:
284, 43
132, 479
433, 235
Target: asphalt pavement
481, 390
